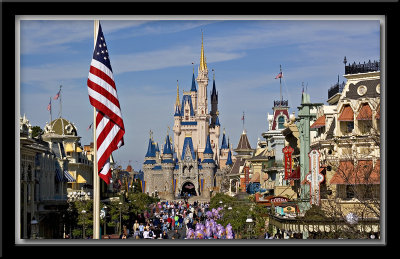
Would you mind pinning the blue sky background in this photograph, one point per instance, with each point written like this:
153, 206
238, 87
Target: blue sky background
149, 56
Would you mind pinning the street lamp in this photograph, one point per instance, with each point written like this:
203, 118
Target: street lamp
249, 222
120, 217
84, 223
103, 215
34, 224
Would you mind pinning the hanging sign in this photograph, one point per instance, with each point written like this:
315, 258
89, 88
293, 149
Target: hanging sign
287, 152
314, 177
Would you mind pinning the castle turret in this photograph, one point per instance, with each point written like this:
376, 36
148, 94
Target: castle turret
168, 167
214, 104
208, 165
202, 109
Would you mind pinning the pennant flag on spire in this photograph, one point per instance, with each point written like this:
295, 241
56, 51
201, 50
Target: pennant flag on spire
103, 96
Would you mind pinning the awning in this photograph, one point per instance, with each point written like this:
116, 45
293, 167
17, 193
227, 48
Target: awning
347, 114
59, 176
80, 179
78, 149
320, 122
68, 177
68, 147
363, 173
365, 113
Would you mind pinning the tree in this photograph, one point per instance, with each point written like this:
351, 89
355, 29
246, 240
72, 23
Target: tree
36, 131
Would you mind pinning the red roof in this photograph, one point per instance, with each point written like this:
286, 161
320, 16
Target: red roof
320, 122
363, 173
347, 114
365, 113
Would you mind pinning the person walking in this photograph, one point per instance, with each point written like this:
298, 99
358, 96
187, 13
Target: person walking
176, 235
135, 225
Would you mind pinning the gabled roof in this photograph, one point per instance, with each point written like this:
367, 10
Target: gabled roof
236, 166
363, 173
187, 98
188, 143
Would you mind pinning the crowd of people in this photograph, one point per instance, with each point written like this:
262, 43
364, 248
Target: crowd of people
176, 220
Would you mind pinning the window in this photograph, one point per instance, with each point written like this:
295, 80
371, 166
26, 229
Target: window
349, 191
281, 121
349, 126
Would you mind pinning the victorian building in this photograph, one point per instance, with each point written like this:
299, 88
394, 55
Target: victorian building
192, 163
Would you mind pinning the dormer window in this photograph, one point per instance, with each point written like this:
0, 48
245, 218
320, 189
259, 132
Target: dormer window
281, 121
346, 119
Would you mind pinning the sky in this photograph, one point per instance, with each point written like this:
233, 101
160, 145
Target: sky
149, 56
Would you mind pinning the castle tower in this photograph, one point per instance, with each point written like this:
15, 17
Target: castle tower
168, 167
202, 109
223, 152
208, 165
214, 104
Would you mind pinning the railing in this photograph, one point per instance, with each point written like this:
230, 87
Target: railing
362, 68
281, 103
336, 88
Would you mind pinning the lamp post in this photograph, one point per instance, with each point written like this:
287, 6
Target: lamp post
34, 231
103, 216
84, 223
120, 217
249, 222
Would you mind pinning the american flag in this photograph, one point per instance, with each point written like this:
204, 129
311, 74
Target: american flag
57, 95
49, 105
103, 96
279, 75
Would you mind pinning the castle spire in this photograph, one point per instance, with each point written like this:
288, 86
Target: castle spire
177, 93
203, 64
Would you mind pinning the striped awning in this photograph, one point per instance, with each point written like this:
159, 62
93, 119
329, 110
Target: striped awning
59, 176
347, 114
365, 113
68, 177
320, 122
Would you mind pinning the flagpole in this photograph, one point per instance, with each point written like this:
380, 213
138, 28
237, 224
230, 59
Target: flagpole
51, 119
96, 178
60, 103
280, 83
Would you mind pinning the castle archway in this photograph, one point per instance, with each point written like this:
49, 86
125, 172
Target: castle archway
188, 188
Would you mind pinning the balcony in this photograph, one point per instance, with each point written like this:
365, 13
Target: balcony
362, 68
335, 89
280, 103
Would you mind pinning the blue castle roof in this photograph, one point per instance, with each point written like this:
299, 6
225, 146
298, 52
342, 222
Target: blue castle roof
187, 98
223, 145
188, 143
208, 149
167, 146
177, 111
151, 150
229, 159
193, 84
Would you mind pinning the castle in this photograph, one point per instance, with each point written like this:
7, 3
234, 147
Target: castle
194, 162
